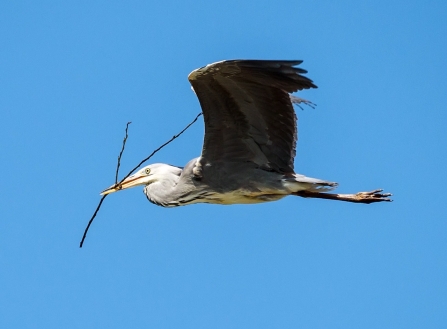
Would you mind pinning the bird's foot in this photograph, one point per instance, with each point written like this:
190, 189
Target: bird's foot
360, 197
372, 196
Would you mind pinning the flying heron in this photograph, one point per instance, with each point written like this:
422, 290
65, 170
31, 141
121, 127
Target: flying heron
249, 145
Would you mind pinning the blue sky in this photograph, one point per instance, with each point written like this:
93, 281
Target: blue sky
73, 73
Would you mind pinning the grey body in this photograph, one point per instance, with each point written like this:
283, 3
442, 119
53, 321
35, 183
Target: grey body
249, 144
228, 184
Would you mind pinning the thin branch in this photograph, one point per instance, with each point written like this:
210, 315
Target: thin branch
121, 153
169, 141
91, 220
130, 173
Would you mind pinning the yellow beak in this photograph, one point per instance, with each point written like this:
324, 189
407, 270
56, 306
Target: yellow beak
130, 181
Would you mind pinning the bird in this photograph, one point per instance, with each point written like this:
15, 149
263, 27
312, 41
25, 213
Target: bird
249, 144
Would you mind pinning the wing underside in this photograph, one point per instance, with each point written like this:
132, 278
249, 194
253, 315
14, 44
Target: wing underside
248, 113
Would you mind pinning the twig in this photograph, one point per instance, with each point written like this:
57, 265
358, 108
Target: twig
104, 196
169, 141
121, 153
130, 173
91, 220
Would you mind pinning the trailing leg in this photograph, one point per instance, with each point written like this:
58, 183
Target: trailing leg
360, 197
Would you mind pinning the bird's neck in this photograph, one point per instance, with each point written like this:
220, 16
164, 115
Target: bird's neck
164, 192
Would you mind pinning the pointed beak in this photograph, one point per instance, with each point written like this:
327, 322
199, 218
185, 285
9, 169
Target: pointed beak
130, 181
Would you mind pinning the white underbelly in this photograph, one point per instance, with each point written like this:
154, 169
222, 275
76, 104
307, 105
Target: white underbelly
242, 197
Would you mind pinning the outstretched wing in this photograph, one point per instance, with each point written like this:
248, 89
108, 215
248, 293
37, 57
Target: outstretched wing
248, 113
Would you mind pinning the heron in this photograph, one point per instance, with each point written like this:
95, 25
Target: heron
249, 144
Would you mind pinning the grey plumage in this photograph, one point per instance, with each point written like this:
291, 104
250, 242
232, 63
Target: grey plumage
249, 143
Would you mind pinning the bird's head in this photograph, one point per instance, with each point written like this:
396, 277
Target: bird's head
144, 176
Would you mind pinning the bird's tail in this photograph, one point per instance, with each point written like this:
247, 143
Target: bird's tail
298, 182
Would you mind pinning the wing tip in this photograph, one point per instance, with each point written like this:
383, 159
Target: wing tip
286, 68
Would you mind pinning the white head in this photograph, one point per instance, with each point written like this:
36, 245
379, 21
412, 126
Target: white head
145, 176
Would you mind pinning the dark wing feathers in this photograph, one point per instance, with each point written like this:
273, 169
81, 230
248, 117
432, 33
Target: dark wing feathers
248, 113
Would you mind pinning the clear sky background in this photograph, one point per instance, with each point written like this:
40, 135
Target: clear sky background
72, 73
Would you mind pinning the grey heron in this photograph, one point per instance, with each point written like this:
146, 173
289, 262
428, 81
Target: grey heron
249, 145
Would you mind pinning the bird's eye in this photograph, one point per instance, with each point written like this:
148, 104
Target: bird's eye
147, 171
